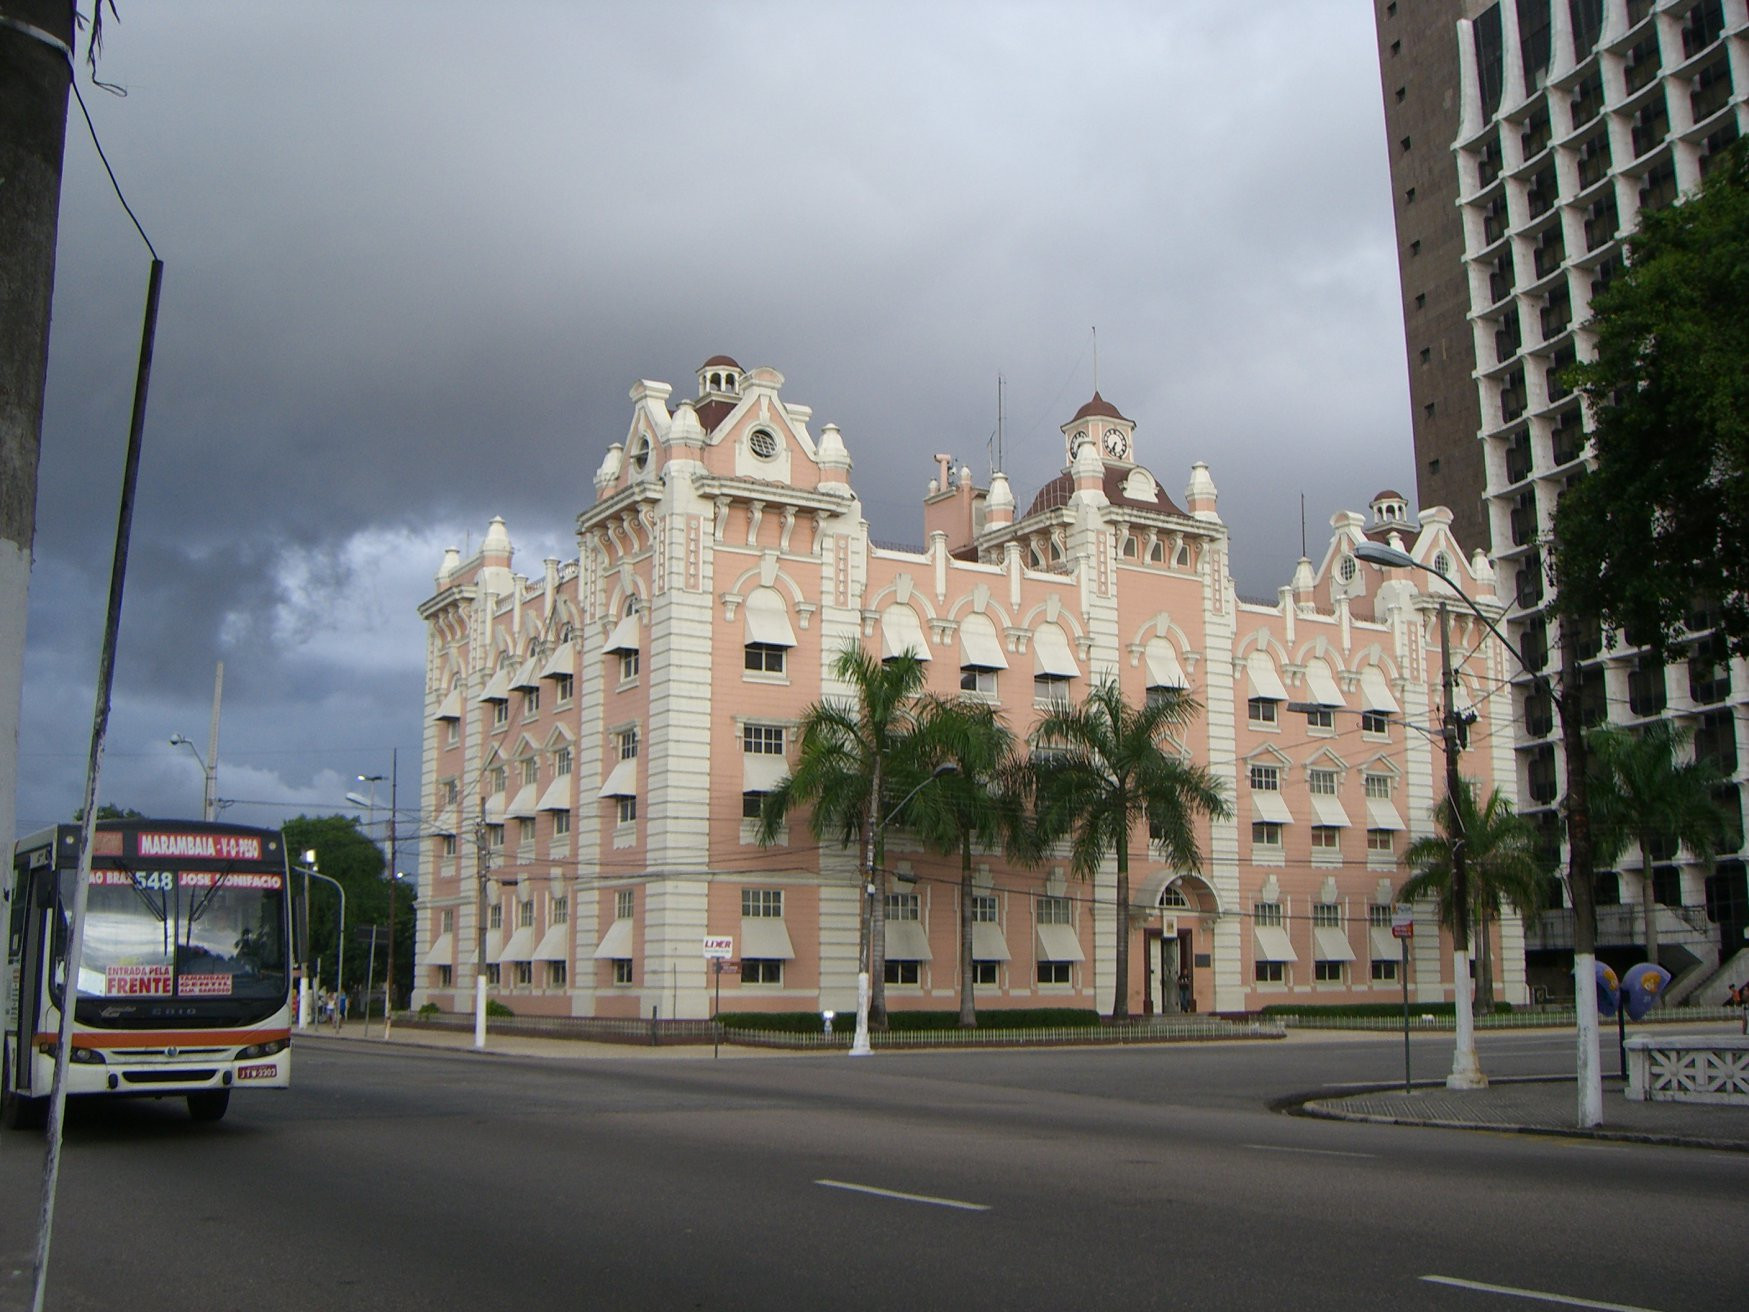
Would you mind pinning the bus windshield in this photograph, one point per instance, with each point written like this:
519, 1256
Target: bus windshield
184, 934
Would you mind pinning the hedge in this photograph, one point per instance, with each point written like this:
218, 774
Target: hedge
1020, 1018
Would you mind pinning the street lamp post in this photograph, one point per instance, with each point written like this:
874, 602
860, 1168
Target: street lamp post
392, 873
1466, 1070
871, 839
209, 799
309, 872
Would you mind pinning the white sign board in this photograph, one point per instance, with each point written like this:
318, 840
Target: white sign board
1402, 923
719, 949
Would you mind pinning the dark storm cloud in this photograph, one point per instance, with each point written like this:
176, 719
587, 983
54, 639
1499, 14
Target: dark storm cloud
416, 254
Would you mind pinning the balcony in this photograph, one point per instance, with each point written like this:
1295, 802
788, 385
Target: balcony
1530, 581
1513, 397
1535, 138
1587, 104
1594, 161
1557, 315
1518, 462
1508, 338
1706, 23
1646, 689
1712, 90
1601, 221
1643, 63
1493, 222
1551, 253
1651, 124
1524, 520
1660, 188
1541, 196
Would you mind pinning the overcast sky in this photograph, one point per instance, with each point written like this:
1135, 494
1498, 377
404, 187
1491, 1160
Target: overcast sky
415, 255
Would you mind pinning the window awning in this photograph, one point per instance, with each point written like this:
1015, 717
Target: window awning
1272, 943
987, 942
901, 633
616, 944
557, 796
1331, 943
494, 947
1322, 684
1385, 945
624, 636
761, 772
1380, 814
1164, 671
441, 952
527, 674
766, 938
1375, 693
980, 648
495, 809
623, 780
561, 664
497, 688
906, 941
767, 619
1264, 682
1051, 654
1328, 811
1058, 943
522, 805
520, 947
451, 706
444, 822
555, 944
1267, 805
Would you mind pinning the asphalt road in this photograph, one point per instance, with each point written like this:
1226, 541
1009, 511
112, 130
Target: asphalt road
1154, 1177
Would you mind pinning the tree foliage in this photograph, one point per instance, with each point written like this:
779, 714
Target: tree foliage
1659, 524
1103, 767
345, 853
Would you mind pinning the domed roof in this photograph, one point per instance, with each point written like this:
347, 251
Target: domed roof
1101, 407
1388, 495
719, 361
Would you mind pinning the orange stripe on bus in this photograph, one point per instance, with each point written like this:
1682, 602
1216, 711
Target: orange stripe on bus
165, 1038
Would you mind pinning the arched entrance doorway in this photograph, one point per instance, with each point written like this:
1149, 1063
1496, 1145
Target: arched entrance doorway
1176, 947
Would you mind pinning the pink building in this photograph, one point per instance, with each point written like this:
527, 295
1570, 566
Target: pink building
598, 737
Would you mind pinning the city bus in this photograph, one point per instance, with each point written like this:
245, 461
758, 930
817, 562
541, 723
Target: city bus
184, 985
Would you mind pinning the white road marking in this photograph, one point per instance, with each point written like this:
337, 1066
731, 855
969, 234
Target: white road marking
1539, 1295
1312, 1152
905, 1198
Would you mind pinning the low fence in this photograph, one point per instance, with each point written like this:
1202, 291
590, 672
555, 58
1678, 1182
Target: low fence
1529, 1018
656, 1033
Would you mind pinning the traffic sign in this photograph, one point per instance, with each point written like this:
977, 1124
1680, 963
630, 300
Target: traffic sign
1402, 923
719, 948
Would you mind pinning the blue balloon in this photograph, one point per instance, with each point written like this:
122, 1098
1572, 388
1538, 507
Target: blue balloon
1608, 991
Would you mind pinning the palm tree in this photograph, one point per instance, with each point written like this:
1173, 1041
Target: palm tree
854, 757
1104, 767
981, 804
1640, 792
1502, 859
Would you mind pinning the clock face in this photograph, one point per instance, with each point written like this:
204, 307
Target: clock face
1117, 446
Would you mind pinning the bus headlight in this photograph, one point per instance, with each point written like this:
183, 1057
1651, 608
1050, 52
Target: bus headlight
87, 1057
255, 1050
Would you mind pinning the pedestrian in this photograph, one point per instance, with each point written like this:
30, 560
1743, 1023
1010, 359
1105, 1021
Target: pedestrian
1185, 1001
340, 1019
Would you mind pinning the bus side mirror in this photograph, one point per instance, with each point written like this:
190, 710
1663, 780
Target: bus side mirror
44, 893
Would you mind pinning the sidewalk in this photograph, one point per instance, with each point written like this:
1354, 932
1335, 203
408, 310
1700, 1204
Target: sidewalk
1544, 1107
513, 1045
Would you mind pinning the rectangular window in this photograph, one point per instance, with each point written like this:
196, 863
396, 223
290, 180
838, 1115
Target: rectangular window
530, 702
1378, 915
752, 806
494, 836
762, 739
628, 666
525, 973
1269, 972
1327, 972
901, 972
622, 903
531, 771
983, 908
561, 823
500, 713
1053, 688
561, 762
1319, 717
764, 658
1326, 838
561, 689
628, 809
903, 906
1384, 968
1322, 783
447, 844
763, 970
1265, 833
1051, 911
445, 976
525, 829
1377, 723
1266, 778
1054, 972
446, 922
627, 743
981, 681
495, 917
1381, 840
451, 792
1260, 711
493, 975
762, 903
1378, 787
984, 972
1327, 915
622, 970
558, 911
525, 914
558, 974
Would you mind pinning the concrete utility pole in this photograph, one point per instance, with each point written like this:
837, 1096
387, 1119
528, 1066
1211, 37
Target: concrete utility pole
36, 70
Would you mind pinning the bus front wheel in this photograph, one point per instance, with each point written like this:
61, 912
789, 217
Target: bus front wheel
209, 1106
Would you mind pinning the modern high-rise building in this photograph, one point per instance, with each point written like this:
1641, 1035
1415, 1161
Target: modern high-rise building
1526, 137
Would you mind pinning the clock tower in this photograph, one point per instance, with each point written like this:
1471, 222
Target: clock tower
1099, 422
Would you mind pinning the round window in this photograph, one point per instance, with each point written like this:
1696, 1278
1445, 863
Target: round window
641, 454
764, 445
1442, 562
1346, 569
